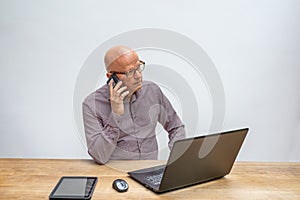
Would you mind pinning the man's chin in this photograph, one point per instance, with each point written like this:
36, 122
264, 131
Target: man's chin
139, 87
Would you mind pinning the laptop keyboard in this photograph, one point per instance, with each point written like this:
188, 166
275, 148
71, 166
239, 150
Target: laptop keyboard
155, 179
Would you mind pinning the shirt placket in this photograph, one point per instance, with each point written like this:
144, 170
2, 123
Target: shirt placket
135, 128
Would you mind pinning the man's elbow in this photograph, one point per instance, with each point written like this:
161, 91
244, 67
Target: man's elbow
98, 159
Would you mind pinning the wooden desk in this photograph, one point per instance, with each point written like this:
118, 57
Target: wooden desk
32, 179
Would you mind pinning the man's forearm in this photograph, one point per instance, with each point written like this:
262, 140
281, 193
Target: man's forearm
101, 148
101, 138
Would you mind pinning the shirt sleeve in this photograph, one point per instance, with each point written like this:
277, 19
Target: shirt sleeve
101, 138
170, 120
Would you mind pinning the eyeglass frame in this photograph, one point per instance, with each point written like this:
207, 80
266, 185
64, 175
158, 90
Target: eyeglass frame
142, 63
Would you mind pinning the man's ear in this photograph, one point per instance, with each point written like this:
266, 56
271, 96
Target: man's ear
108, 74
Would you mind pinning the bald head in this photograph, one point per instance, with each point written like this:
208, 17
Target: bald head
119, 56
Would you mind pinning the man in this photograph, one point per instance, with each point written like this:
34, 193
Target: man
120, 119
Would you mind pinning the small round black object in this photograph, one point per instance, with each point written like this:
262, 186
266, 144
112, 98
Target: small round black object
120, 185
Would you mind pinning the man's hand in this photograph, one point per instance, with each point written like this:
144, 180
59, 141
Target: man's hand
117, 95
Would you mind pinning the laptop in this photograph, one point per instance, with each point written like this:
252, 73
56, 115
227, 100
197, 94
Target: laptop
194, 160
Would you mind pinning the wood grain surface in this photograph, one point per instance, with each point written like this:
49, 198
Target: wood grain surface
35, 178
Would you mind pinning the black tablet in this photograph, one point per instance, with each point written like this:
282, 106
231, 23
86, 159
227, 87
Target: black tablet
74, 187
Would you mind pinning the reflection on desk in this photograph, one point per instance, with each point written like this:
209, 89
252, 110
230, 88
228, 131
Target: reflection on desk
35, 178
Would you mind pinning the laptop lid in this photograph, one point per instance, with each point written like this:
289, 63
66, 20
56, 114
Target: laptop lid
200, 159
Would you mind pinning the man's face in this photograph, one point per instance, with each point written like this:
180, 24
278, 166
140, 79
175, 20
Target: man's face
126, 63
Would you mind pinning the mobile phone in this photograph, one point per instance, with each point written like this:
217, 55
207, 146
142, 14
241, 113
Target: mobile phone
115, 78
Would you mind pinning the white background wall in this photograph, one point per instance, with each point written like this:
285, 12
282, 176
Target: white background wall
254, 45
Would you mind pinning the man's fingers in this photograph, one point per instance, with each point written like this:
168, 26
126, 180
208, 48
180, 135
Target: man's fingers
124, 94
117, 91
122, 89
118, 85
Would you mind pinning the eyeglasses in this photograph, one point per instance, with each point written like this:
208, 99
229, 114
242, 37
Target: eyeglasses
131, 72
